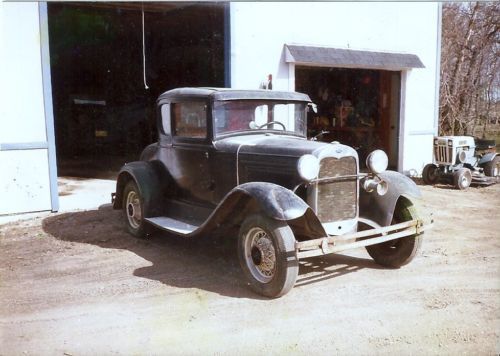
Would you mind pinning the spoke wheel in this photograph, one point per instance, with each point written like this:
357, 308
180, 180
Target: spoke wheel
260, 255
133, 210
266, 250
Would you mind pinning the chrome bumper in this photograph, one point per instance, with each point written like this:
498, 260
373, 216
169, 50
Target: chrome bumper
333, 244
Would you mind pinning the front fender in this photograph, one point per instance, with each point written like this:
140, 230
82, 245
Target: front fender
380, 208
275, 201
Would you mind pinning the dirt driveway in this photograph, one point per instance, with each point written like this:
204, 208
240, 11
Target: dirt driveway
77, 284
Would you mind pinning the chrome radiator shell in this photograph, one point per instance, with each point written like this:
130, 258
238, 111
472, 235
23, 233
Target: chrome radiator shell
334, 197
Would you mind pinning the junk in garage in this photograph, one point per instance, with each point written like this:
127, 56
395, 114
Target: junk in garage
357, 107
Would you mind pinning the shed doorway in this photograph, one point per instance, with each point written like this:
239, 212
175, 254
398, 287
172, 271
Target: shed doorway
357, 107
105, 81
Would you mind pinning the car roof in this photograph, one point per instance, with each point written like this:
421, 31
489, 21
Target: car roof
234, 94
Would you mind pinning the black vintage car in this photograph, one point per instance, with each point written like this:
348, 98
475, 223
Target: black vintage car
239, 160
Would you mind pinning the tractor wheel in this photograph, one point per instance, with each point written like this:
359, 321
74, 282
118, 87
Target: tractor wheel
492, 168
266, 250
462, 178
430, 174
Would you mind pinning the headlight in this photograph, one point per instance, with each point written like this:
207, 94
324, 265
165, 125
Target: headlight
308, 167
377, 161
462, 155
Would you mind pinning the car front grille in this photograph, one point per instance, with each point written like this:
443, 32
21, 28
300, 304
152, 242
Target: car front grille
443, 154
336, 201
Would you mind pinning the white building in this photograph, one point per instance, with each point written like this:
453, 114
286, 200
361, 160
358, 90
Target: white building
372, 68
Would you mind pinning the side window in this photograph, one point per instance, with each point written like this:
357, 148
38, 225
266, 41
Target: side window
190, 119
165, 119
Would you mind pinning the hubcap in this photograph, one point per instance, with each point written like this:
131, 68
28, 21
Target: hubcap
260, 255
463, 182
134, 211
256, 256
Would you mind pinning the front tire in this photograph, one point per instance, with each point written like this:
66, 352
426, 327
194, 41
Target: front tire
399, 252
133, 210
492, 168
462, 178
266, 250
430, 174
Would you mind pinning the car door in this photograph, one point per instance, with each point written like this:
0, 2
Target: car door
188, 158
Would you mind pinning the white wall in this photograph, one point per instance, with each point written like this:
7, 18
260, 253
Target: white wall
260, 30
24, 163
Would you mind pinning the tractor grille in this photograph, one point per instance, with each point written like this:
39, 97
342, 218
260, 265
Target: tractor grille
336, 201
443, 154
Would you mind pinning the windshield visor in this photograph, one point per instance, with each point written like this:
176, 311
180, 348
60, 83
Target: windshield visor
259, 115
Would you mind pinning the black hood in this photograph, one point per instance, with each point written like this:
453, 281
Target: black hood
273, 158
269, 144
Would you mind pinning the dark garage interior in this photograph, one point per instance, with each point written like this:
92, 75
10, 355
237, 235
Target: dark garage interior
104, 114
357, 107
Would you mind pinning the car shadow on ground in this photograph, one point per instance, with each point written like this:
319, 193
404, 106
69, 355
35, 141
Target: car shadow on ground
208, 263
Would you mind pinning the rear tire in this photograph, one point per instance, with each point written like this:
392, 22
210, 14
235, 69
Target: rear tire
462, 178
399, 252
492, 168
133, 211
266, 250
430, 174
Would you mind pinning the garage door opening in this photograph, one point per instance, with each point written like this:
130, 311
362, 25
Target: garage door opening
357, 107
103, 113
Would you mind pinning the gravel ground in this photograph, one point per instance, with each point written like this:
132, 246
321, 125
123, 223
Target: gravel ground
78, 284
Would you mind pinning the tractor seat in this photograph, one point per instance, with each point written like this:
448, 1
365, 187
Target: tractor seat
483, 144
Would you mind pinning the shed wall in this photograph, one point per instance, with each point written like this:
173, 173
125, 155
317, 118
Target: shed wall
24, 160
260, 30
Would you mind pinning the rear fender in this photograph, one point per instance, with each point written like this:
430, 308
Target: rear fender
380, 208
488, 157
148, 177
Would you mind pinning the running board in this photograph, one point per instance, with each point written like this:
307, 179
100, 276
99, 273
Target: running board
172, 225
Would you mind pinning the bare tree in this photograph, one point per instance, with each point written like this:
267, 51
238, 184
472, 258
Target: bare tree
470, 80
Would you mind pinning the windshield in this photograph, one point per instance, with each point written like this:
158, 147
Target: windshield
255, 115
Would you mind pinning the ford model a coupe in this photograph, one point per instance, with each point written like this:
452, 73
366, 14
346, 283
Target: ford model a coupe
239, 160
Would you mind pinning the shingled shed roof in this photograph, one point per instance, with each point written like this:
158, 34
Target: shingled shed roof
348, 58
